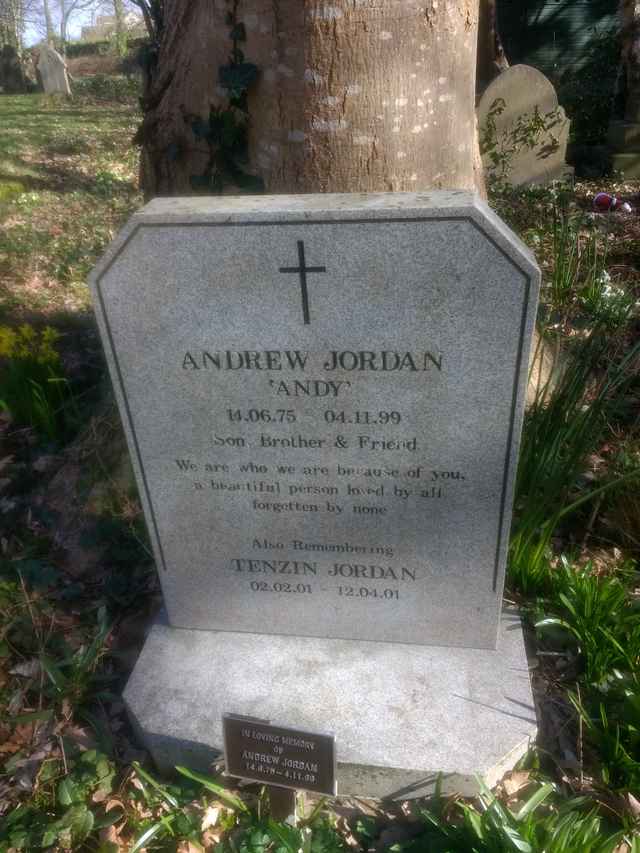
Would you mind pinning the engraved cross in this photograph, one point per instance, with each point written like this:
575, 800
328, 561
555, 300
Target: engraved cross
302, 269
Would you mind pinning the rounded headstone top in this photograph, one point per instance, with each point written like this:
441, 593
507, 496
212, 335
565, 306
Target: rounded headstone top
523, 88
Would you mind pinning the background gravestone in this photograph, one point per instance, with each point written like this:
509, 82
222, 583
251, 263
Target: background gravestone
522, 89
53, 72
323, 398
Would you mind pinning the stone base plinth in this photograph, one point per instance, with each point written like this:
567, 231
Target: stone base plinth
401, 714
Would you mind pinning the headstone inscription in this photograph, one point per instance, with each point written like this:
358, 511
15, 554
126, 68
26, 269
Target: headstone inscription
322, 397
53, 72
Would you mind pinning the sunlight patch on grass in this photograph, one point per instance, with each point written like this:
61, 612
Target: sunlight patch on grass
68, 182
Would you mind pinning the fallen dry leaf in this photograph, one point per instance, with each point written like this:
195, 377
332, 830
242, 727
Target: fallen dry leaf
515, 781
27, 669
111, 835
82, 737
634, 804
211, 837
210, 817
99, 796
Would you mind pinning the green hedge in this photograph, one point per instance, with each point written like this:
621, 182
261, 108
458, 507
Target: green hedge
99, 48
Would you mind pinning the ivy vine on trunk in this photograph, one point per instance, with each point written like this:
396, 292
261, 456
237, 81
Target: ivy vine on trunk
225, 131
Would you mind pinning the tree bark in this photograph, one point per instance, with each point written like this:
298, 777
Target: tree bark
64, 17
12, 23
121, 32
48, 22
492, 58
352, 96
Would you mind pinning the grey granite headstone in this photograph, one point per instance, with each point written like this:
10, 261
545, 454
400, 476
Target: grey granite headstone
53, 72
323, 398
510, 102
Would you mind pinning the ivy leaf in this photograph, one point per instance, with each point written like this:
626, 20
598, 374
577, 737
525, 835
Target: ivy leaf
201, 128
238, 33
238, 77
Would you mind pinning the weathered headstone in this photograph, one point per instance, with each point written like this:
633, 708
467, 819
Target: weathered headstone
53, 71
527, 153
323, 398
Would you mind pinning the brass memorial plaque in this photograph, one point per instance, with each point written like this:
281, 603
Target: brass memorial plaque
288, 758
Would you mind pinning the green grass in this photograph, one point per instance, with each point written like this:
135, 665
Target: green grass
68, 182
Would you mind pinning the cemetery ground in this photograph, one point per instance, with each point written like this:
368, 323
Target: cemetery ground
78, 588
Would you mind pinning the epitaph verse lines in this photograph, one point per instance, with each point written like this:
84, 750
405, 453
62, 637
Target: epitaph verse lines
302, 269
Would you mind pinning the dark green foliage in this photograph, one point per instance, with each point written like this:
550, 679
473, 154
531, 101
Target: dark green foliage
237, 77
33, 389
106, 87
69, 817
73, 674
541, 823
588, 93
98, 48
596, 621
35, 573
226, 134
565, 423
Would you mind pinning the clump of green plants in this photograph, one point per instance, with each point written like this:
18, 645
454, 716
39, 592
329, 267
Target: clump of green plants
565, 423
235, 825
579, 284
33, 389
595, 620
544, 822
68, 813
105, 87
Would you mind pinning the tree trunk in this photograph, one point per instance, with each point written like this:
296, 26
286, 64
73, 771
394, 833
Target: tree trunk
11, 23
355, 96
121, 31
64, 15
48, 23
630, 12
492, 58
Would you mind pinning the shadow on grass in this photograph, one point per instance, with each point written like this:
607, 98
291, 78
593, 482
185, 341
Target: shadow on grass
100, 114
57, 179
